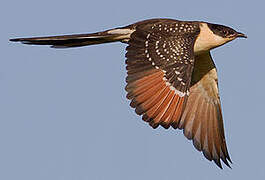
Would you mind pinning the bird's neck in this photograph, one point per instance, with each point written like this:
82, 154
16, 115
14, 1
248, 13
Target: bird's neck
207, 40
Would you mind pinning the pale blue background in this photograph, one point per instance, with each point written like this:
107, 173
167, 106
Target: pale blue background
64, 113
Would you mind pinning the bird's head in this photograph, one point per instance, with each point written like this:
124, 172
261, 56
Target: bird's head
214, 35
225, 32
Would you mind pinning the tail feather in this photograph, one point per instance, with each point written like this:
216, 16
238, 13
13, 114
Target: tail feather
78, 40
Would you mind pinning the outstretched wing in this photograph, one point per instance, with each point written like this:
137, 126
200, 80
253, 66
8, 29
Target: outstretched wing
202, 118
160, 62
169, 86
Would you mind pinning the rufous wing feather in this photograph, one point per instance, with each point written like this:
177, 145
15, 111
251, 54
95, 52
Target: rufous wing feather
159, 72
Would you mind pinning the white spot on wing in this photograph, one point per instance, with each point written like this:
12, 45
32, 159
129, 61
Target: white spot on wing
148, 35
177, 72
181, 94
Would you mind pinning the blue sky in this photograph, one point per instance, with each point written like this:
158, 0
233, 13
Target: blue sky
64, 113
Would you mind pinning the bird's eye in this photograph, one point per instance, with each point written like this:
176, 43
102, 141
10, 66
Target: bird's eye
225, 32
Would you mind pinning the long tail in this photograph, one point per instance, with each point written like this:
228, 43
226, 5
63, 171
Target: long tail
66, 41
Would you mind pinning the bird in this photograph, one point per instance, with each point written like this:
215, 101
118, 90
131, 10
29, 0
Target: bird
171, 77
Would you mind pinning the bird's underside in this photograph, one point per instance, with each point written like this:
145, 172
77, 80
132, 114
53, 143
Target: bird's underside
168, 83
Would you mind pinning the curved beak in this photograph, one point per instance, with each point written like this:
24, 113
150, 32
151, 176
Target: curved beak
239, 34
